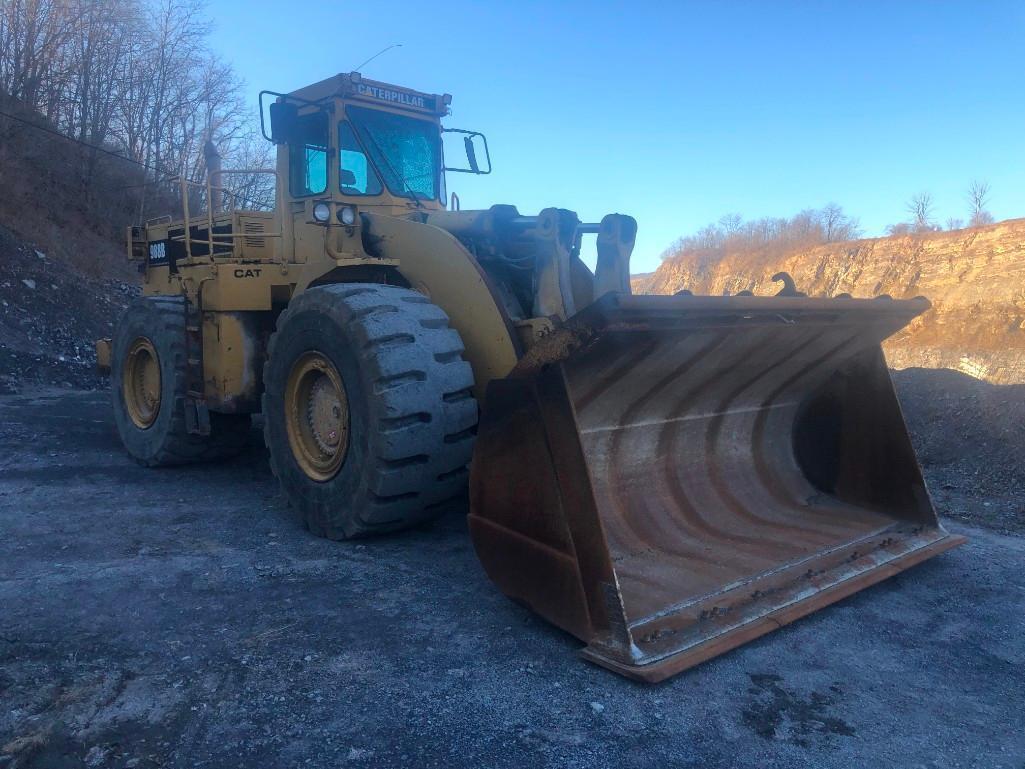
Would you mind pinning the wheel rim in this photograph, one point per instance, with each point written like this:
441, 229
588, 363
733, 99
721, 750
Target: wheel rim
141, 383
317, 416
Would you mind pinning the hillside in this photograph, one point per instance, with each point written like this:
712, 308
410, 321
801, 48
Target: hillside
64, 276
973, 277
64, 197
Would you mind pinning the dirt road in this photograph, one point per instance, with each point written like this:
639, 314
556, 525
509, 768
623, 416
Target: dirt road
182, 618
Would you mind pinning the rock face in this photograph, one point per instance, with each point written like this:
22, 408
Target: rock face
975, 279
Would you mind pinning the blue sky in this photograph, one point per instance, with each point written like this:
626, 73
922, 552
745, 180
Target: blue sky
678, 113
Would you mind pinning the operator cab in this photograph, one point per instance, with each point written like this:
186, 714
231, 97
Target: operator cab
370, 144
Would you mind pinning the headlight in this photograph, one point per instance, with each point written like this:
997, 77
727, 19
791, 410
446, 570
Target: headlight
321, 212
347, 215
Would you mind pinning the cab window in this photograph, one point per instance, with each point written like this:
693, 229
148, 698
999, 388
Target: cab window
307, 156
355, 174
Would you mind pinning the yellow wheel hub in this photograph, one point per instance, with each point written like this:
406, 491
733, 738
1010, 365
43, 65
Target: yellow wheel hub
140, 382
317, 416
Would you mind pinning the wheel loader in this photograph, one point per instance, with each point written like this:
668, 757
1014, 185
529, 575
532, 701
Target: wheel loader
665, 477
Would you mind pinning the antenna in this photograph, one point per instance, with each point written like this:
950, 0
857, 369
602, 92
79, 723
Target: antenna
358, 67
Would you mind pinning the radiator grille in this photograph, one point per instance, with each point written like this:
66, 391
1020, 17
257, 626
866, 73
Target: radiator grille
252, 229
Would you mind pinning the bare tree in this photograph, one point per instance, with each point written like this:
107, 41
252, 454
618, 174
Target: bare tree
978, 198
730, 223
836, 225
34, 51
954, 223
254, 190
922, 208
832, 218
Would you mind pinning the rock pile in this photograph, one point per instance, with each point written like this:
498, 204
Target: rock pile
50, 316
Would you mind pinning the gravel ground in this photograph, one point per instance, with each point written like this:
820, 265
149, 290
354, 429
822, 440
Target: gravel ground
182, 618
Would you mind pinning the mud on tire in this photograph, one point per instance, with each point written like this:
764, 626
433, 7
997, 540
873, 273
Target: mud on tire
412, 414
161, 321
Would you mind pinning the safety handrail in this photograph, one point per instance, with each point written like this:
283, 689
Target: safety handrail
221, 239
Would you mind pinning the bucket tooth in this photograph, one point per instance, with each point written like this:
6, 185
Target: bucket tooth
670, 477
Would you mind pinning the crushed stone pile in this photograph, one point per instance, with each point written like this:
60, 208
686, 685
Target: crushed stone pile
969, 436
50, 317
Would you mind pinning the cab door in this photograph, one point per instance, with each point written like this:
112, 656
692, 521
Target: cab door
309, 179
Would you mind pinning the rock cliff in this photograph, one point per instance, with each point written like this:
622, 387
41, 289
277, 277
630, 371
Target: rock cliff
975, 279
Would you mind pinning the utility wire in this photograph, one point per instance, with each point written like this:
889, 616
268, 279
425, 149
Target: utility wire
154, 169
55, 132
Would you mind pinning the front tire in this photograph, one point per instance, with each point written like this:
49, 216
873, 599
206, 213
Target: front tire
148, 384
368, 407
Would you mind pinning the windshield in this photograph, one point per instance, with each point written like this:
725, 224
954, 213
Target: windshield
404, 150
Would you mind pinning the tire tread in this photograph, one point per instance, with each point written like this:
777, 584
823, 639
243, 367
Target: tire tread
422, 391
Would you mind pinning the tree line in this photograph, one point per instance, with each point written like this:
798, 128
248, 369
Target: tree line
777, 235
136, 76
732, 234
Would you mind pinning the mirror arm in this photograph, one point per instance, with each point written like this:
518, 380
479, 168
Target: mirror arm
285, 98
471, 152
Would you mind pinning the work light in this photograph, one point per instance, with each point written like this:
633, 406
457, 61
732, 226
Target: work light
347, 216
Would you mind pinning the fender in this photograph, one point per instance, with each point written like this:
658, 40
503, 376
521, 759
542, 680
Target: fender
435, 263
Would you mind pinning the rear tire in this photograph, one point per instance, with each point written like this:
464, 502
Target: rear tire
381, 438
150, 415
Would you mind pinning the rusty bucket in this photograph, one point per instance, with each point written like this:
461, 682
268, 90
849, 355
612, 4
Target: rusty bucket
670, 477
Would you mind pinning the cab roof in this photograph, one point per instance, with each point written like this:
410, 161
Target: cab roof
352, 85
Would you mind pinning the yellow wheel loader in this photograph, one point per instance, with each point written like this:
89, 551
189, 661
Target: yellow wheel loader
666, 477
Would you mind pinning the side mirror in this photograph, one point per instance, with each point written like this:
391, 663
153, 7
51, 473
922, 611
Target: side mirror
471, 154
283, 118
475, 145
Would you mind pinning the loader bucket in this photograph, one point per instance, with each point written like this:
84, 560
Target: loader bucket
668, 477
